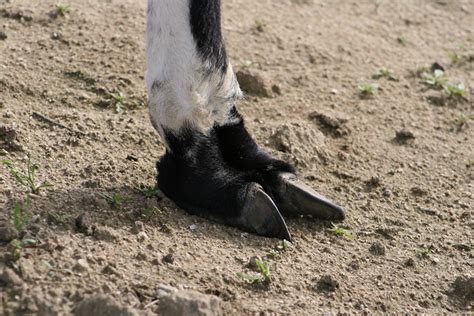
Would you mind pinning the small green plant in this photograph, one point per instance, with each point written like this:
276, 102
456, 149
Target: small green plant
148, 213
368, 89
27, 179
58, 218
339, 231
436, 80
21, 217
273, 254
260, 25
402, 40
115, 200
62, 8
424, 252
118, 100
264, 278
148, 191
16, 247
384, 73
283, 245
247, 63
455, 91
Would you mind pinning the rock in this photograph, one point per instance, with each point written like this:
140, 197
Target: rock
253, 82
404, 136
142, 236
410, 262
10, 278
84, 224
102, 305
138, 227
327, 284
330, 123
8, 233
187, 302
106, 233
463, 288
377, 249
81, 265
169, 258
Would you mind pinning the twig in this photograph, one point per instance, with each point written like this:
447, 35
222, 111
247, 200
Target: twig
151, 303
45, 119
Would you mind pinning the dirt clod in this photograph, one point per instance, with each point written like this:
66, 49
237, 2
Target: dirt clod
10, 278
377, 249
327, 283
102, 305
332, 124
169, 258
8, 233
187, 302
404, 136
3, 35
254, 82
463, 288
84, 224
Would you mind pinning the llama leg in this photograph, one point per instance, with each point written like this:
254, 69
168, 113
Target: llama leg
190, 87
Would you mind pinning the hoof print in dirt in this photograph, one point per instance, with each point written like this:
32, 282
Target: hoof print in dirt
326, 284
462, 289
187, 302
102, 305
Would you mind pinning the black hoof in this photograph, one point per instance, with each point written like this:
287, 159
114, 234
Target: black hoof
261, 216
296, 198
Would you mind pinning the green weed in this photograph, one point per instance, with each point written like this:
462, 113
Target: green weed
115, 200
368, 89
384, 73
264, 278
339, 231
21, 217
27, 179
118, 100
148, 213
62, 8
436, 80
148, 191
455, 91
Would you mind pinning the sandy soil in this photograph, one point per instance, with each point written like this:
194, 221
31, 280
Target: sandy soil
409, 197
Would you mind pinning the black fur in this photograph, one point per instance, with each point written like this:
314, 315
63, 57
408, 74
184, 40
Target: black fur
205, 18
208, 175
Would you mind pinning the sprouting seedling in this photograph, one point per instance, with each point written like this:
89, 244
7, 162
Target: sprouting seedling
115, 200
148, 191
148, 213
16, 247
384, 73
21, 217
264, 268
368, 89
62, 8
264, 278
435, 80
118, 99
247, 63
424, 252
283, 245
260, 25
28, 179
339, 231
455, 91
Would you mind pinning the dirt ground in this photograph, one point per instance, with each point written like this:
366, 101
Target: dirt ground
401, 161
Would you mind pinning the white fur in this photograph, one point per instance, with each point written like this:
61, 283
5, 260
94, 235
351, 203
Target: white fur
183, 93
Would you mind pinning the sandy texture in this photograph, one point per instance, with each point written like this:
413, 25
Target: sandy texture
409, 197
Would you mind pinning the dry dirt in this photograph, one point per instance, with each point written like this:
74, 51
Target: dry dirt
400, 161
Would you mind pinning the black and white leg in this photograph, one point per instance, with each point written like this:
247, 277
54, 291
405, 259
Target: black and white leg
212, 167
